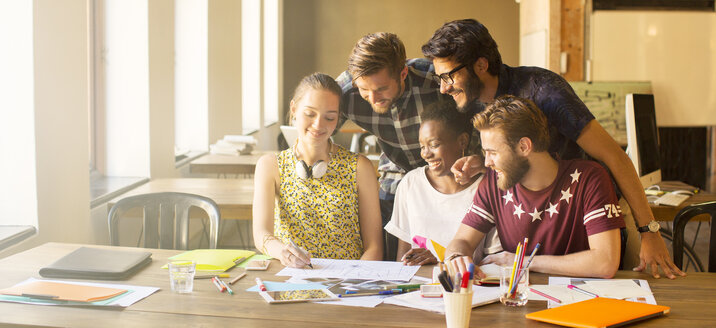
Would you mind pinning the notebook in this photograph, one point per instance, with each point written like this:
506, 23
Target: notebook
492, 273
62, 291
599, 312
218, 260
97, 263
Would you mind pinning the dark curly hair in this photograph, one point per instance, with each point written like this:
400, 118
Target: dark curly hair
467, 40
447, 113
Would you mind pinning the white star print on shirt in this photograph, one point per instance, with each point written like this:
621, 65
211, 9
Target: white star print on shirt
552, 209
518, 211
575, 176
566, 195
536, 215
508, 197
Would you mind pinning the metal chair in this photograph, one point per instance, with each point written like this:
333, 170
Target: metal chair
166, 218
680, 220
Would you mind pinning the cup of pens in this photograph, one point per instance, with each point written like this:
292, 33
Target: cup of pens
514, 285
457, 296
458, 307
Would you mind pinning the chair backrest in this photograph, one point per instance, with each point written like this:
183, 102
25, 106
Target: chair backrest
680, 220
166, 218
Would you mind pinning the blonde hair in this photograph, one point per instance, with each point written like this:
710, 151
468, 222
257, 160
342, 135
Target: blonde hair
516, 118
315, 81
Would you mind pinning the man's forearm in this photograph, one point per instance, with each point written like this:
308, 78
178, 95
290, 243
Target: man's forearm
458, 246
582, 264
631, 187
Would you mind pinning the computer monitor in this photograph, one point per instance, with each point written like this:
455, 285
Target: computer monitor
643, 138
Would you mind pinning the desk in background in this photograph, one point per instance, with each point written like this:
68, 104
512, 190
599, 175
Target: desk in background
234, 196
667, 213
350, 127
227, 164
691, 301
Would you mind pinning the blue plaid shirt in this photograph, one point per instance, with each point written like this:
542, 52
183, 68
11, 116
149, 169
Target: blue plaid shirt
397, 129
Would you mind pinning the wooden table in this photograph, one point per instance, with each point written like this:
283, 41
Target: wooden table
234, 196
691, 300
227, 164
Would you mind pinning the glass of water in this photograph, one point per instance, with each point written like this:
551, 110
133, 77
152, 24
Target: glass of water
181, 276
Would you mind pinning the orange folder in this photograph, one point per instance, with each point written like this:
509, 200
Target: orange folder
599, 312
63, 291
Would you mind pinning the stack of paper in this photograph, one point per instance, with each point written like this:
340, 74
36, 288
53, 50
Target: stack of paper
233, 145
56, 292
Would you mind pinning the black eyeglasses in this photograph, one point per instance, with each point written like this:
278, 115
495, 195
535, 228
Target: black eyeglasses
447, 77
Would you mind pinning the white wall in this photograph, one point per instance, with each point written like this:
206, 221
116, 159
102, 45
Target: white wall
61, 112
161, 88
675, 50
18, 201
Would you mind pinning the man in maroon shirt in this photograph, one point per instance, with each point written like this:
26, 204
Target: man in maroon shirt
568, 206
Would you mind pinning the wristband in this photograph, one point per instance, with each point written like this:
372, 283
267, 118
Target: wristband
453, 256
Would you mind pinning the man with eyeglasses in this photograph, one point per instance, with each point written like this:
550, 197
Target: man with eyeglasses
384, 93
469, 68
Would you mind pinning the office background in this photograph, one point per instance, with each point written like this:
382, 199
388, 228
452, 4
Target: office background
45, 165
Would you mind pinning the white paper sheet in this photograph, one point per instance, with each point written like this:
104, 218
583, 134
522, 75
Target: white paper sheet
601, 287
480, 296
353, 269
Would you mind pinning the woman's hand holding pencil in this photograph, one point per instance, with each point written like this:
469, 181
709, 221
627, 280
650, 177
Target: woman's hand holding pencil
294, 256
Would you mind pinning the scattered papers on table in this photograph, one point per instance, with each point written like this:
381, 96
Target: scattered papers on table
616, 288
276, 286
132, 295
635, 290
362, 301
353, 269
215, 260
480, 296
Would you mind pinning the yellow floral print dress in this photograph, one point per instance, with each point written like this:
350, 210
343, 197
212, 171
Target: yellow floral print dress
320, 215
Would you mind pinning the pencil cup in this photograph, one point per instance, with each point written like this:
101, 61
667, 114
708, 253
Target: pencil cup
458, 307
181, 276
517, 295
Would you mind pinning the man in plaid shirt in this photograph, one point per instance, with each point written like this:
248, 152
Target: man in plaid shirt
384, 94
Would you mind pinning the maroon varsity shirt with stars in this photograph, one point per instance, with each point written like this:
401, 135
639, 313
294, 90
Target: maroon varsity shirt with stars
579, 203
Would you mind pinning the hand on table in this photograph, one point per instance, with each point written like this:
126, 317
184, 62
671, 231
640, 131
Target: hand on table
653, 254
460, 264
503, 258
